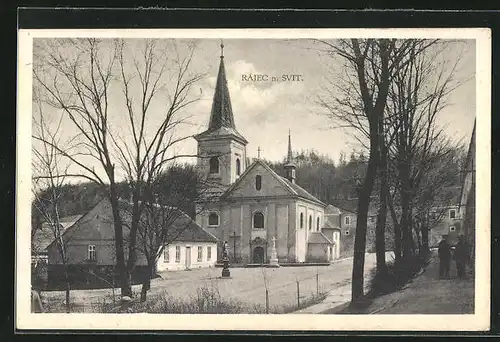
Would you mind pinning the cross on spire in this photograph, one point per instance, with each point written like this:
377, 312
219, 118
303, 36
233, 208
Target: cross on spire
221, 49
258, 152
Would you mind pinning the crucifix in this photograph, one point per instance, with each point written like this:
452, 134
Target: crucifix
258, 152
234, 237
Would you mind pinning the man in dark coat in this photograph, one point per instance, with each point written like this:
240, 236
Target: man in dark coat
444, 252
461, 256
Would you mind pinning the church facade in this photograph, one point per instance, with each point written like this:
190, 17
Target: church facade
250, 206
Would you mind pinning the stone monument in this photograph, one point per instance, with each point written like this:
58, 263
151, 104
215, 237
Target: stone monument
225, 262
274, 256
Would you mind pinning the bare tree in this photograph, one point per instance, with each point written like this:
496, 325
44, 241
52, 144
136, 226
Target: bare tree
168, 200
358, 103
83, 79
418, 93
49, 171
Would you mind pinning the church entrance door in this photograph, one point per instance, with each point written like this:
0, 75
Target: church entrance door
258, 255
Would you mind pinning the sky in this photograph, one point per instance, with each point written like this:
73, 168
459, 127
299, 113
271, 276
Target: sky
265, 111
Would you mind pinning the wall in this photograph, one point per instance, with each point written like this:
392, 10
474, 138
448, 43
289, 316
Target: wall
318, 253
173, 265
308, 210
237, 217
227, 151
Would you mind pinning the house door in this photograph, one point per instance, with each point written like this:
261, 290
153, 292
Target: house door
188, 257
258, 255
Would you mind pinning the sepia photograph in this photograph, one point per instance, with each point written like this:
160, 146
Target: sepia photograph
278, 179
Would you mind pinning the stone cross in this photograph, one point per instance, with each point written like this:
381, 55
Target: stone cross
258, 152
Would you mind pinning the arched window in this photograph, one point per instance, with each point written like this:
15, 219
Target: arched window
258, 182
310, 222
238, 166
301, 220
258, 220
317, 224
213, 219
214, 165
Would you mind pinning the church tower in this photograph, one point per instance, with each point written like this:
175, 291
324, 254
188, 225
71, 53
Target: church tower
290, 165
221, 148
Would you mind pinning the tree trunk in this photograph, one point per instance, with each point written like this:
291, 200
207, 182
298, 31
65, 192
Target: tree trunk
382, 212
361, 224
68, 288
425, 238
146, 283
397, 230
125, 281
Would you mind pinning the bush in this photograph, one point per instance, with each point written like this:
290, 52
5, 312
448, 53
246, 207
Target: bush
397, 275
207, 300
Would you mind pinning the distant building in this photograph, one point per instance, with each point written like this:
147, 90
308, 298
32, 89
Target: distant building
91, 254
250, 205
342, 214
41, 239
449, 225
467, 199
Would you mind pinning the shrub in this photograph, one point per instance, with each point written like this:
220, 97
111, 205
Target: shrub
207, 300
398, 275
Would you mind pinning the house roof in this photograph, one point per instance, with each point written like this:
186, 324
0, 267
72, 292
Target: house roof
331, 210
351, 205
183, 228
319, 238
44, 236
330, 225
221, 116
294, 189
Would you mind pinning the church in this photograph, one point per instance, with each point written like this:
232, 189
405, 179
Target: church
250, 206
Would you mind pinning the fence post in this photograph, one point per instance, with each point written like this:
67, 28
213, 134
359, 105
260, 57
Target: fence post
298, 295
317, 284
267, 301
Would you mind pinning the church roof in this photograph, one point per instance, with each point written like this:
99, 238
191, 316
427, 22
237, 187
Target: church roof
221, 116
294, 189
319, 238
302, 192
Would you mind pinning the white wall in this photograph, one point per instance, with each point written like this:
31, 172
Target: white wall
173, 265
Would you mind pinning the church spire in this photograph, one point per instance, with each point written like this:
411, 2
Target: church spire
289, 158
222, 112
290, 165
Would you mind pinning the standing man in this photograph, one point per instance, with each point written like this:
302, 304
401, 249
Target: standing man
462, 256
444, 252
36, 302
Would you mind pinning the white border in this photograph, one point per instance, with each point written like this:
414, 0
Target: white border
478, 321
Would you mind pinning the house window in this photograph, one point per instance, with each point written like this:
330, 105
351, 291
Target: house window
209, 253
317, 224
258, 182
91, 252
214, 165
452, 228
258, 220
200, 253
213, 220
310, 222
166, 254
453, 214
347, 220
177, 253
301, 220
238, 166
